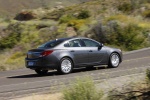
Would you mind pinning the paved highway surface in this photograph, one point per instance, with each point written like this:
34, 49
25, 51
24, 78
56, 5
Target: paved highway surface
25, 81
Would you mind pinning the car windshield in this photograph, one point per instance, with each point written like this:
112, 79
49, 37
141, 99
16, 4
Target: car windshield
51, 44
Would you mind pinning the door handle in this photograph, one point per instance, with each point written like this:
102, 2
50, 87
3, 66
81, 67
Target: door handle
90, 51
72, 51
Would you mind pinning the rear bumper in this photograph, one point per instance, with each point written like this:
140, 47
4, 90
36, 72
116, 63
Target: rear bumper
41, 63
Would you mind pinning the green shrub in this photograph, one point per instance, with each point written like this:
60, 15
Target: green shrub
144, 1
119, 17
146, 14
66, 19
126, 36
130, 36
15, 60
17, 55
125, 7
55, 15
77, 23
84, 14
13, 38
133, 91
42, 25
128, 6
2, 68
148, 75
82, 89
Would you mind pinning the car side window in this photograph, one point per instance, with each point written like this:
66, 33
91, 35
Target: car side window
66, 45
90, 43
75, 43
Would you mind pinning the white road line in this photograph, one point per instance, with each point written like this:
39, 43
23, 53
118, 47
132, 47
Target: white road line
135, 51
136, 59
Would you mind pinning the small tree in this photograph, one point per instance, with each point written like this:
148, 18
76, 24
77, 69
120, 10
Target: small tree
84, 14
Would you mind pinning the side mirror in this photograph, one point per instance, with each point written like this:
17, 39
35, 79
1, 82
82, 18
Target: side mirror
100, 46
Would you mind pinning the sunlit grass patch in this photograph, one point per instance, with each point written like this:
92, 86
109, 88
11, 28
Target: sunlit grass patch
144, 24
10, 61
122, 18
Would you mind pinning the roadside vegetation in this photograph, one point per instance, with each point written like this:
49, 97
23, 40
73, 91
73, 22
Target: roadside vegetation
82, 89
137, 91
123, 24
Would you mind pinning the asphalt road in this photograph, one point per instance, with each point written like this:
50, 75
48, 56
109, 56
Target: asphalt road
25, 81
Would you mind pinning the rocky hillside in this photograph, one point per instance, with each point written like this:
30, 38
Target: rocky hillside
11, 7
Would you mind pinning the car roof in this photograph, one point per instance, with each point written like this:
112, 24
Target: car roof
72, 38
69, 38
64, 39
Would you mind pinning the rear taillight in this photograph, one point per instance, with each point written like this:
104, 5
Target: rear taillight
46, 53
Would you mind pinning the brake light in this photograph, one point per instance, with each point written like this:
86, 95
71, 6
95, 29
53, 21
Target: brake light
46, 53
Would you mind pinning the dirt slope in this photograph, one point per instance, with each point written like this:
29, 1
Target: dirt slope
11, 7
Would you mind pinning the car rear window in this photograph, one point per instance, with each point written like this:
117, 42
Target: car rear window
51, 44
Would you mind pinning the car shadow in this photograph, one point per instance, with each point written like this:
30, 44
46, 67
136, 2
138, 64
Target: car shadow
55, 73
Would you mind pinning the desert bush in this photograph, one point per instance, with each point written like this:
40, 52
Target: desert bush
83, 14
82, 89
119, 17
98, 32
7, 19
16, 55
11, 60
144, 1
17, 58
19, 35
77, 23
14, 36
43, 25
55, 15
130, 5
129, 36
125, 7
66, 19
2, 68
25, 15
134, 91
146, 14
148, 75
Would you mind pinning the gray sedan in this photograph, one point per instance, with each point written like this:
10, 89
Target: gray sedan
67, 53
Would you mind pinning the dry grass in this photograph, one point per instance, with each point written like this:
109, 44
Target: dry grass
7, 62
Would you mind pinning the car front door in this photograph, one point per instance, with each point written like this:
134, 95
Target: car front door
96, 55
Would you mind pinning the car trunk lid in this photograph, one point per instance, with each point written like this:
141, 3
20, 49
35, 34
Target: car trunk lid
34, 53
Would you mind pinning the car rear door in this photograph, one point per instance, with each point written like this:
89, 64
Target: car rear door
80, 53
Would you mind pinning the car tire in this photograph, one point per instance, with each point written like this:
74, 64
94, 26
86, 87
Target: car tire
114, 60
41, 72
66, 66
